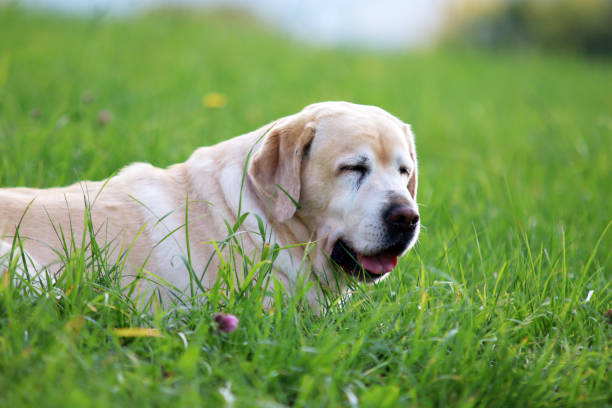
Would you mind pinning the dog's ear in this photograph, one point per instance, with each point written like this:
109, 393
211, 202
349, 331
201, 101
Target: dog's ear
275, 168
414, 179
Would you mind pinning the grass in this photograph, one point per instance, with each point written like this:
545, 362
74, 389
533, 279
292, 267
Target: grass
500, 304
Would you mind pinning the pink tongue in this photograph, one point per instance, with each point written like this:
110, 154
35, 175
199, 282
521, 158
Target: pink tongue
378, 264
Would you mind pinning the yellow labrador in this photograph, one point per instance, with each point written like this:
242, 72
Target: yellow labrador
340, 176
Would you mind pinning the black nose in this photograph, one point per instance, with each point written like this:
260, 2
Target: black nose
401, 217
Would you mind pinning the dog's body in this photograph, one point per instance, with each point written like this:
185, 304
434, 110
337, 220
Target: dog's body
351, 169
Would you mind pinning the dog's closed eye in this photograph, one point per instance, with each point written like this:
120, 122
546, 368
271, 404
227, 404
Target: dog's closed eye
357, 168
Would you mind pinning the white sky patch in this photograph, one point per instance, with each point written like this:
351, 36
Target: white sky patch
382, 24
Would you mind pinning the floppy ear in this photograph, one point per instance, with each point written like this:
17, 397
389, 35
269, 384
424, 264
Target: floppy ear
278, 162
413, 182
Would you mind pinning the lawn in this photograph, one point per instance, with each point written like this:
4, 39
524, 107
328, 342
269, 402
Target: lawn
501, 303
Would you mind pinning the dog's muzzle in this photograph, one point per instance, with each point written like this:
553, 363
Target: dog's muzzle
401, 223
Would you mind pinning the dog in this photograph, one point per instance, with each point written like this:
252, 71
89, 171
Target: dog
338, 177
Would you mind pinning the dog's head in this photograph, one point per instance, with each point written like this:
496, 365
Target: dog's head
348, 173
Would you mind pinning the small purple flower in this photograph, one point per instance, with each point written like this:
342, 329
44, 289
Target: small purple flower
227, 322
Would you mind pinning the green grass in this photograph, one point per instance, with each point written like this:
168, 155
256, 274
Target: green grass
490, 308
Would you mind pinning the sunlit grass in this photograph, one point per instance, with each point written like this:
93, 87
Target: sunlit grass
500, 304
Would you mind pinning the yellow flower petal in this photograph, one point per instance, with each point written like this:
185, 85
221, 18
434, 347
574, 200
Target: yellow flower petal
214, 100
137, 332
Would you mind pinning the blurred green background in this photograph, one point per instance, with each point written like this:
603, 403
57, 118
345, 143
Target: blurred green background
492, 307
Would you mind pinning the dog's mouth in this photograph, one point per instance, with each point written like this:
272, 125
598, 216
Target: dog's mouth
365, 267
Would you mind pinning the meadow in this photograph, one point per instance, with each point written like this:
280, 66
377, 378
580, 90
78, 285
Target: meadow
503, 301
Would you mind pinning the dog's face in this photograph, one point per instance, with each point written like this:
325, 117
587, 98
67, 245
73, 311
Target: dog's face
357, 185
